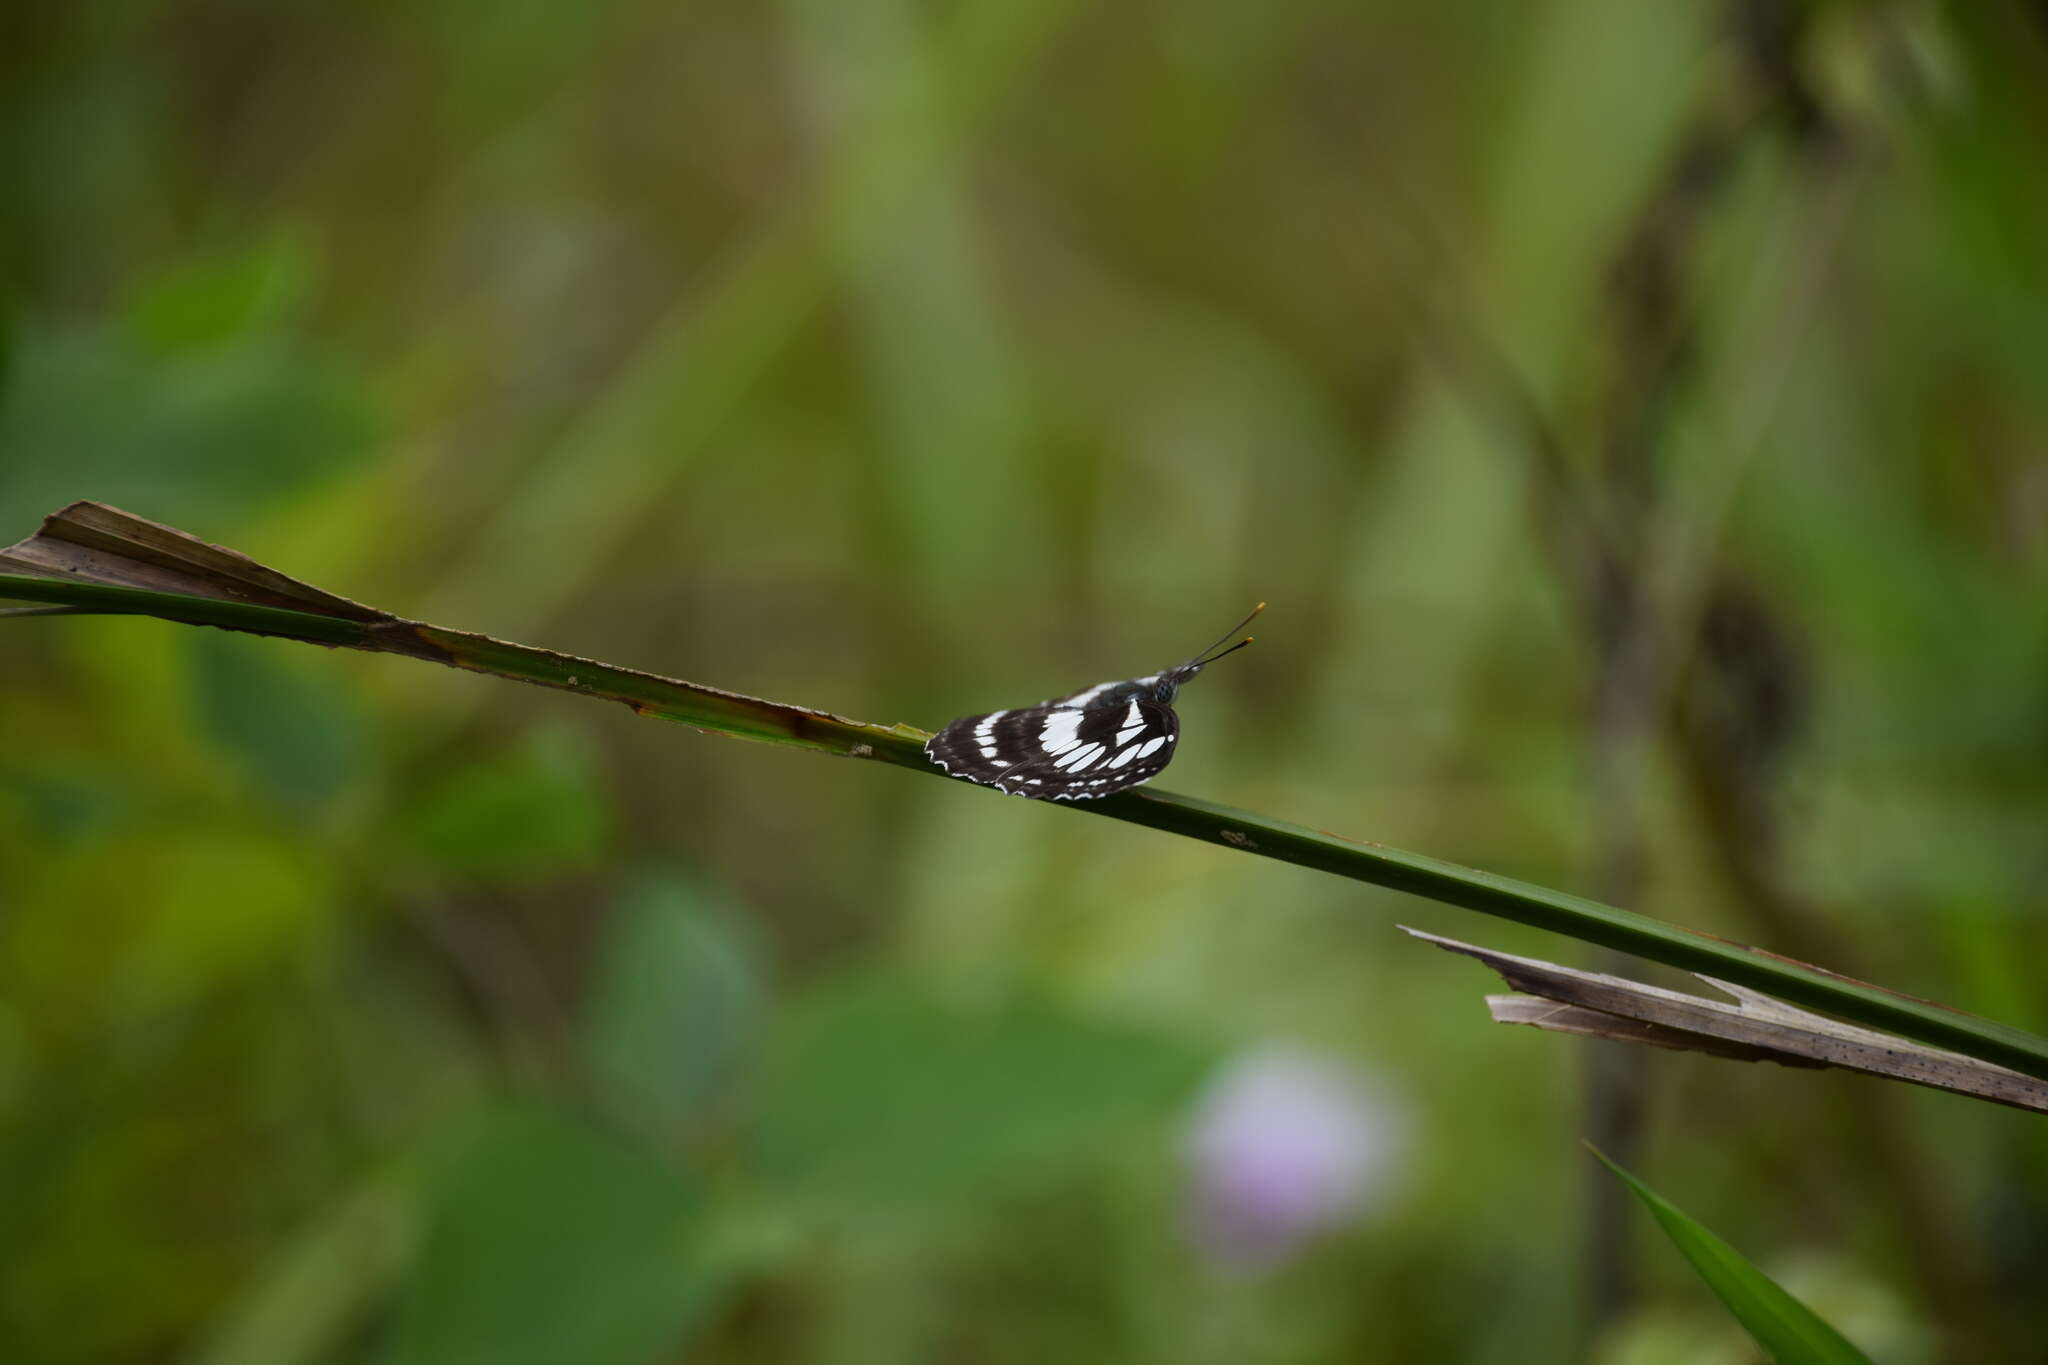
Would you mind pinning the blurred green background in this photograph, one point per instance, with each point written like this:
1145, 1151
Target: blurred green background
1633, 413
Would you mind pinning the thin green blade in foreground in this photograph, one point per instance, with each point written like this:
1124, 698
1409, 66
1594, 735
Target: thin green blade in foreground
1789, 1331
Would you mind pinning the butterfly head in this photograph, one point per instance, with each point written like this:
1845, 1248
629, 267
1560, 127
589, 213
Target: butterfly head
1163, 687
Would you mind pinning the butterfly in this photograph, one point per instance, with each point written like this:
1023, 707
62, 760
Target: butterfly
1099, 740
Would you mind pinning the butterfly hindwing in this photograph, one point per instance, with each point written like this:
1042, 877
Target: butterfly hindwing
1059, 751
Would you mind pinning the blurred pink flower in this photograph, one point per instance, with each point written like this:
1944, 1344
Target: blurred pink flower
1282, 1144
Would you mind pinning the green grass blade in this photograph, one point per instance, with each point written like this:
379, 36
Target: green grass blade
219, 579
186, 608
1789, 1331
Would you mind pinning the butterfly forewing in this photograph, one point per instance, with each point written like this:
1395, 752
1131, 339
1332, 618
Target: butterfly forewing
1060, 751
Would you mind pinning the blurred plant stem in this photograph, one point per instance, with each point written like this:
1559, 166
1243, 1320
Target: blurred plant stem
1638, 552
596, 489
322, 1283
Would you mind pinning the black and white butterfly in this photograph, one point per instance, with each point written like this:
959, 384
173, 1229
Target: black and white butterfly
1101, 739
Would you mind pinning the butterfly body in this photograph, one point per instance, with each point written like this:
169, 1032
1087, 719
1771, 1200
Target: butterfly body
1085, 745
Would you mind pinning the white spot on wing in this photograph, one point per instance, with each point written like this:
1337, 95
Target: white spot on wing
1149, 745
1080, 758
1126, 756
1057, 734
1133, 726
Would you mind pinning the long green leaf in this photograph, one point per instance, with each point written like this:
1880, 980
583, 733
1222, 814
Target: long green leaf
1787, 1329
98, 557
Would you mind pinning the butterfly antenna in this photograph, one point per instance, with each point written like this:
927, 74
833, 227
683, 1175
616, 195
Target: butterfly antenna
1208, 656
1232, 650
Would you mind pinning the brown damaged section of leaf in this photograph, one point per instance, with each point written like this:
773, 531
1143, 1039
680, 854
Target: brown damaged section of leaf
1756, 1028
1587, 1023
95, 543
108, 551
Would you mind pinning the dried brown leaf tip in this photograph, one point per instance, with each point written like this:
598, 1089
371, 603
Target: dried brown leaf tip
1756, 1027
